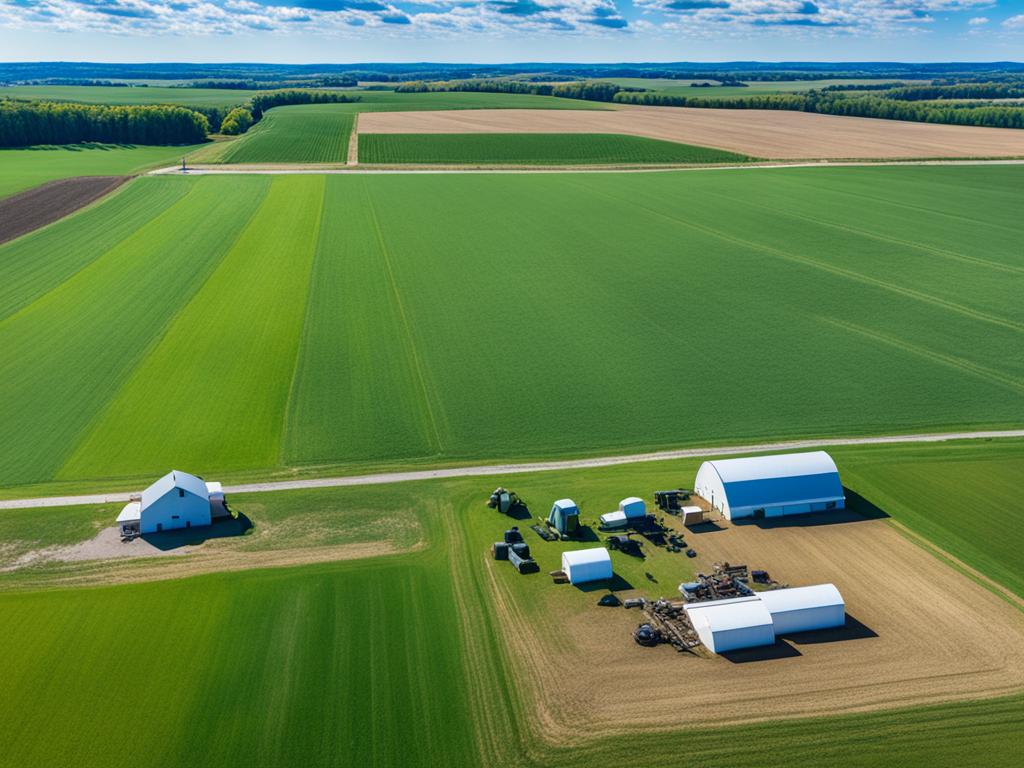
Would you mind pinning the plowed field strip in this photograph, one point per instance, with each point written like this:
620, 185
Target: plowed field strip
45, 204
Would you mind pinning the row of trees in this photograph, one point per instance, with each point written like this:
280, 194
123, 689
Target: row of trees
24, 123
958, 91
588, 90
996, 116
261, 102
237, 121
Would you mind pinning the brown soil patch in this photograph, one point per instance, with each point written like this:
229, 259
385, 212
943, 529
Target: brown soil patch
761, 133
42, 205
918, 632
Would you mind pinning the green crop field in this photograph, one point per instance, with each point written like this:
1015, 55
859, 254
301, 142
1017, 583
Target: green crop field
309, 133
350, 662
531, 149
25, 168
241, 325
752, 88
98, 94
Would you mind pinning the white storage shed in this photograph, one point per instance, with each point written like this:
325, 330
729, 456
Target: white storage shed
633, 507
728, 625
802, 609
771, 486
583, 565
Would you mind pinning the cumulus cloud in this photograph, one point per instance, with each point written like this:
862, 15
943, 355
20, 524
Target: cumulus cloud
453, 17
1014, 22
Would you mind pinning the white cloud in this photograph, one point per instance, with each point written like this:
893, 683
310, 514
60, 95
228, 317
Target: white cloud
1014, 22
978, 21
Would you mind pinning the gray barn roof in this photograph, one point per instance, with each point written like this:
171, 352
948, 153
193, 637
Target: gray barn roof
171, 481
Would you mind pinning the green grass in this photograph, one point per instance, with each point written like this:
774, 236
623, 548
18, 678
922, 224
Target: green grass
447, 319
348, 663
753, 88
25, 168
532, 149
98, 94
309, 133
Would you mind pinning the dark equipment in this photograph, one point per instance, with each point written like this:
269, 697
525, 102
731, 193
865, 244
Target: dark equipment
609, 601
691, 553
523, 564
625, 545
500, 550
513, 536
760, 577
635, 602
668, 501
647, 636
544, 532
521, 548
503, 500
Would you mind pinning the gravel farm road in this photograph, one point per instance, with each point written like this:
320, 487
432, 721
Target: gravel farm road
543, 466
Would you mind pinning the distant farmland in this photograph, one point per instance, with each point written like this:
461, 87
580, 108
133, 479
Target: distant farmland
532, 149
243, 324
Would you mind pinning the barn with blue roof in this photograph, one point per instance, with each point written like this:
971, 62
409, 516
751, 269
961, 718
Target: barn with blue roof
771, 486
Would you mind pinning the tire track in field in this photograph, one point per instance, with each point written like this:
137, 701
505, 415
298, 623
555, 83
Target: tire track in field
953, 361
406, 326
934, 250
289, 403
809, 262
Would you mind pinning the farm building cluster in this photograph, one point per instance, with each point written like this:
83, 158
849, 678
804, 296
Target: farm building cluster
732, 609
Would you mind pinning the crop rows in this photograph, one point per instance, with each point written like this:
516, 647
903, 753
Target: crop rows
532, 149
309, 133
436, 318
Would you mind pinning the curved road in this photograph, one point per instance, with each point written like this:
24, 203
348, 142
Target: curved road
543, 466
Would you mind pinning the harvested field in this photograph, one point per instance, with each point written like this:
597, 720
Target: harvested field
761, 133
917, 632
47, 203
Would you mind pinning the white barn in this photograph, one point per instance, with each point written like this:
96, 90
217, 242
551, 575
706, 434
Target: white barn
771, 486
802, 609
176, 500
583, 565
728, 625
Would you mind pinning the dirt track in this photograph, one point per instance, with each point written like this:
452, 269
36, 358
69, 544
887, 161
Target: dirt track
42, 205
918, 632
771, 134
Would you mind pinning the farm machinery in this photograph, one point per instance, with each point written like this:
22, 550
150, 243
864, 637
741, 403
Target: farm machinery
666, 622
503, 500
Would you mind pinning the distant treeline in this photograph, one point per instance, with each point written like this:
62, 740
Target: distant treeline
590, 91
958, 91
863, 87
25, 123
329, 81
996, 116
261, 102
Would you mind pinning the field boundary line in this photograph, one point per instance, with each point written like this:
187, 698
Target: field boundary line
825, 267
959, 565
282, 447
934, 250
951, 360
333, 168
386, 478
410, 340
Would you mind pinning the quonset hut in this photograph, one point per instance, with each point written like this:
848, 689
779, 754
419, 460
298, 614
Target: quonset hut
771, 486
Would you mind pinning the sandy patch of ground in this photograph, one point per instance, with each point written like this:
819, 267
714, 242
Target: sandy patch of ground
918, 632
771, 134
106, 559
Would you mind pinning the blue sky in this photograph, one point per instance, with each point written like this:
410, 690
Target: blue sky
511, 30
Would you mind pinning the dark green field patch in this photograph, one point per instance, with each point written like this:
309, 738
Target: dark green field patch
532, 149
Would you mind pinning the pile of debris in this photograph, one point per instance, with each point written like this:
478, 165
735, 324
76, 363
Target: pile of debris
667, 622
503, 500
516, 551
668, 501
727, 581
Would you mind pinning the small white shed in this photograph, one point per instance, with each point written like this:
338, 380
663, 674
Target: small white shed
633, 507
728, 625
802, 609
583, 565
